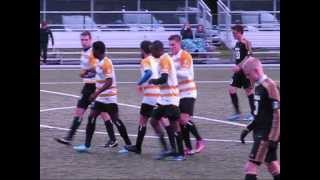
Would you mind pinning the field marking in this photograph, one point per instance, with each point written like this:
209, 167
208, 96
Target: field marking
130, 82
53, 109
138, 107
133, 135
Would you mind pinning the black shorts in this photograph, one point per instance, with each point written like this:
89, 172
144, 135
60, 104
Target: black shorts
146, 110
260, 151
112, 109
239, 80
168, 111
86, 91
186, 105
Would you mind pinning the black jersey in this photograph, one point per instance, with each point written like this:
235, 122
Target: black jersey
263, 113
240, 51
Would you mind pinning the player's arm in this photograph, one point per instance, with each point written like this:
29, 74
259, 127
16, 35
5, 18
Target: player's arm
147, 73
51, 37
164, 70
274, 96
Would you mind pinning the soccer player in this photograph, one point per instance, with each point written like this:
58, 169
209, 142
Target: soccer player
188, 93
167, 111
87, 64
105, 100
266, 123
241, 51
151, 93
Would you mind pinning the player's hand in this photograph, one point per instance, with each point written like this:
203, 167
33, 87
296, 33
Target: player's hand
236, 68
243, 135
93, 96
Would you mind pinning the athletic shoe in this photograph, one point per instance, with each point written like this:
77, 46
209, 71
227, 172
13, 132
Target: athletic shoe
234, 117
163, 154
248, 117
111, 144
199, 146
133, 148
123, 151
176, 158
81, 148
63, 141
189, 152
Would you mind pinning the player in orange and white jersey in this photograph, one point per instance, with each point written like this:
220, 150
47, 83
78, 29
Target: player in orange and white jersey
87, 72
105, 101
151, 93
167, 110
188, 93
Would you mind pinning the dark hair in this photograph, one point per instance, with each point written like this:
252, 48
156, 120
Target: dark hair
86, 33
238, 28
157, 46
146, 46
99, 47
175, 37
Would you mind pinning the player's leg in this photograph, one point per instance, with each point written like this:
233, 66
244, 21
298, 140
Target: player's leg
109, 128
82, 105
90, 128
113, 111
145, 114
272, 163
257, 156
234, 97
45, 49
248, 86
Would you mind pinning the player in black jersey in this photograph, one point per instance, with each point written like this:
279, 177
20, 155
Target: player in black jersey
266, 123
242, 50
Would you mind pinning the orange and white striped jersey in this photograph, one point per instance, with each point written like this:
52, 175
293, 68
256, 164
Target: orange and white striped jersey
151, 93
88, 61
169, 92
184, 65
105, 70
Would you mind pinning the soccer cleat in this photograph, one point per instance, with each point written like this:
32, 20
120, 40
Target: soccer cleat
133, 148
234, 117
199, 146
81, 148
189, 152
111, 144
248, 117
176, 158
123, 151
163, 154
63, 141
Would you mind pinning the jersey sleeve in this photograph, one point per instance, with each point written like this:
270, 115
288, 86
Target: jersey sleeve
145, 64
165, 65
185, 60
92, 61
107, 69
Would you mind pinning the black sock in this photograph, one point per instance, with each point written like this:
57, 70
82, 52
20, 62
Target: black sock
123, 131
110, 131
186, 136
251, 103
171, 138
178, 137
73, 129
91, 126
276, 177
250, 177
235, 102
193, 129
141, 132
163, 142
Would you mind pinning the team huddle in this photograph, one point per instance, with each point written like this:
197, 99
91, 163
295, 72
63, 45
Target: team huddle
169, 94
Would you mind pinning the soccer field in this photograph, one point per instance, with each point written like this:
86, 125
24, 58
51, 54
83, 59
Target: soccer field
222, 159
